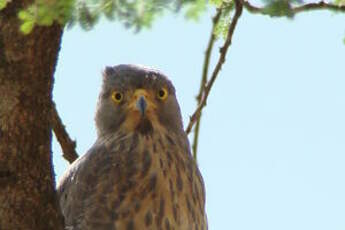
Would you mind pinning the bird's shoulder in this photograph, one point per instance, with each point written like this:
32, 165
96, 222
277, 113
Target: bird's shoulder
79, 165
78, 180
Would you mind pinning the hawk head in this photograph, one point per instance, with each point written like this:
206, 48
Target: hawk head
136, 99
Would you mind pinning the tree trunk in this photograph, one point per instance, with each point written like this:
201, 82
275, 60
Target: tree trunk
27, 184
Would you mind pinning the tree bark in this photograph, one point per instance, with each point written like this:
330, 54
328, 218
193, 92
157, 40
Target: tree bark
27, 64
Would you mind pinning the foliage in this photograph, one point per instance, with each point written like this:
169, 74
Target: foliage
132, 13
274, 8
340, 2
136, 14
3, 4
44, 13
222, 26
195, 9
277, 8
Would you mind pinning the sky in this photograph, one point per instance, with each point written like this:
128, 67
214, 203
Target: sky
272, 138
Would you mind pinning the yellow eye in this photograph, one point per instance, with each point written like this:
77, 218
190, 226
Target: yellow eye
117, 96
162, 94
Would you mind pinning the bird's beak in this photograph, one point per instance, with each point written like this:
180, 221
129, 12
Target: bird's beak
141, 105
142, 102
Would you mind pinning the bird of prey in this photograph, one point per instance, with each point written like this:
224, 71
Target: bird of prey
139, 174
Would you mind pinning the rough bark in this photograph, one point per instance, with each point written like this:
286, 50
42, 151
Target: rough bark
27, 184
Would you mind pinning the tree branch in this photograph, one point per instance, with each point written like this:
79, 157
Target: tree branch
67, 144
204, 79
253, 9
297, 9
318, 6
221, 60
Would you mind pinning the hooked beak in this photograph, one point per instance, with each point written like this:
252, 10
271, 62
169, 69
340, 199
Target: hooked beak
141, 105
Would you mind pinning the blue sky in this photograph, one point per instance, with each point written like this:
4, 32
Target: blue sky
272, 139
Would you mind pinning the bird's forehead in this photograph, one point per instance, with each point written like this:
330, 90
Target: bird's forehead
128, 77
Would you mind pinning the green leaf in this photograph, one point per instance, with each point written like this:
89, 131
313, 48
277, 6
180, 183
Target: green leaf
132, 13
46, 20
109, 8
45, 16
277, 8
27, 27
194, 10
3, 4
222, 27
217, 3
25, 15
339, 2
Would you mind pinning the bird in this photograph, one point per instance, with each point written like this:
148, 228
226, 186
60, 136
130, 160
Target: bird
139, 173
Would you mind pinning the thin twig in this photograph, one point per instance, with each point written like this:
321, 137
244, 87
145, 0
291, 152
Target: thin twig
221, 60
203, 81
67, 144
297, 9
318, 6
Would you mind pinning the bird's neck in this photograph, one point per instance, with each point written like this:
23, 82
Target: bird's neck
139, 142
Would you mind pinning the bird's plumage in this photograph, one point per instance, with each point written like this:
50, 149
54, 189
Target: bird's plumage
139, 174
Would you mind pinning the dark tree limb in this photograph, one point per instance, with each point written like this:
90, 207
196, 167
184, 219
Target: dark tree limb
203, 81
297, 9
221, 60
67, 144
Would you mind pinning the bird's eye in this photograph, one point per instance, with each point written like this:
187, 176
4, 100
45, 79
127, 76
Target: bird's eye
162, 94
117, 97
